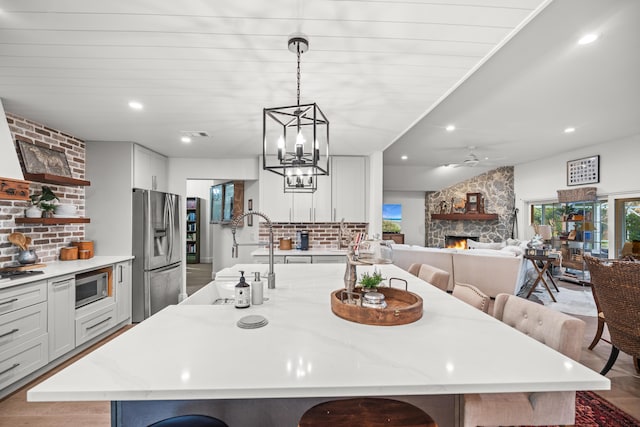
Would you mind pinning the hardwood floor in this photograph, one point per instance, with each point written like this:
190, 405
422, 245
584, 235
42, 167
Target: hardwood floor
16, 411
198, 275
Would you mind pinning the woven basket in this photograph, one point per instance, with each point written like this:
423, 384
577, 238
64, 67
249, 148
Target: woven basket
616, 285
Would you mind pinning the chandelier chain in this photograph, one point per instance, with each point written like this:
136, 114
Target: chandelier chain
298, 74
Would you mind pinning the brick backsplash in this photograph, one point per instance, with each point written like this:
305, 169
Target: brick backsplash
46, 240
321, 235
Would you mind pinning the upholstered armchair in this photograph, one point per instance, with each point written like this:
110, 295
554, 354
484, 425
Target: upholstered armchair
557, 330
437, 277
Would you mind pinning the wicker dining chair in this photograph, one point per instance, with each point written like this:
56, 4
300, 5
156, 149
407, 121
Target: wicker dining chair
616, 285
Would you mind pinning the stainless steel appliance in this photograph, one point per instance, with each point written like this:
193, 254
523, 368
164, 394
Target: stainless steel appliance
91, 287
157, 267
304, 240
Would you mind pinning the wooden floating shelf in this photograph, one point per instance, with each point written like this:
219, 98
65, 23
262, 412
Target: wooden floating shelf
52, 221
55, 179
466, 216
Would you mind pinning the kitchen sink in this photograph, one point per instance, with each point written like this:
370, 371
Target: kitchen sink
213, 293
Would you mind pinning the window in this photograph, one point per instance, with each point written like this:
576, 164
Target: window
627, 222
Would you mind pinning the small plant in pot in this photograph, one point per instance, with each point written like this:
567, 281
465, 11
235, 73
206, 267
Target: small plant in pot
44, 201
371, 281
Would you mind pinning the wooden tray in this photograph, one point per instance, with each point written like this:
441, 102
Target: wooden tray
23, 267
402, 307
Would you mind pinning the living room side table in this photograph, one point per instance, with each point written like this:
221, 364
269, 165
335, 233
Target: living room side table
543, 271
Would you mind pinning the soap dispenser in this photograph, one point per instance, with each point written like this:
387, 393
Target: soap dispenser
242, 293
257, 290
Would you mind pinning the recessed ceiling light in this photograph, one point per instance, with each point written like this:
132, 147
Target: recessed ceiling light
185, 139
450, 128
569, 130
404, 157
135, 105
588, 38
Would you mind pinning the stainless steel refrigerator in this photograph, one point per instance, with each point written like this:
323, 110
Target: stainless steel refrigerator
157, 267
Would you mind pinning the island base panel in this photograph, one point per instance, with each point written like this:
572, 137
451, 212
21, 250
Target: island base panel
444, 409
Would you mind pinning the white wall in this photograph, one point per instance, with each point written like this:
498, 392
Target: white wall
412, 214
9, 164
538, 181
374, 192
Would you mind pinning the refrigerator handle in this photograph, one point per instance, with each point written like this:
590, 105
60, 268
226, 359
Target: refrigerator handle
169, 204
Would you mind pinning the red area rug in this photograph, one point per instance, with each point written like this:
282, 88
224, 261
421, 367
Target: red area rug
594, 411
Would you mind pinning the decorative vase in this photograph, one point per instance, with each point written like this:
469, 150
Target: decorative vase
27, 257
33, 212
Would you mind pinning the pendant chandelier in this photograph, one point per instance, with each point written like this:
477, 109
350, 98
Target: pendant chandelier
296, 138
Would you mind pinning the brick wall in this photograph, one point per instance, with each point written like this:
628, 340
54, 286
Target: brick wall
46, 240
321, 235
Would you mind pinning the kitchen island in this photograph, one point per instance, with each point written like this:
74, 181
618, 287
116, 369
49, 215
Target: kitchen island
192, 358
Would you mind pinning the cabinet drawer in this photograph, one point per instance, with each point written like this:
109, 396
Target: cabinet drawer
93, 324
21, 296
23, 359
22, 325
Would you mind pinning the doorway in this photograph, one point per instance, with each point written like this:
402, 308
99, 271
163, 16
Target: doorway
627, 222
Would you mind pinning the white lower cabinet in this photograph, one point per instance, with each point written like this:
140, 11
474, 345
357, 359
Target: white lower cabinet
91, 323
123, 291
62, 307
22, 325
20, 360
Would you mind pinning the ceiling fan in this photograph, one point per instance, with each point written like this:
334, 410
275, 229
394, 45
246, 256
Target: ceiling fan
471, 160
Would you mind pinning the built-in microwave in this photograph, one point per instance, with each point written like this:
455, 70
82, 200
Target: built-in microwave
91, 287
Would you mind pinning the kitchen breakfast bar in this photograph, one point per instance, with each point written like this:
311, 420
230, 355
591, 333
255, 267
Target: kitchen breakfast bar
193, 358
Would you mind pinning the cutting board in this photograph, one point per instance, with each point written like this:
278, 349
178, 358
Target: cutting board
23, 267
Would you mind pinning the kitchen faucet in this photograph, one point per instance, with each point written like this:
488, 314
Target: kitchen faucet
271, 276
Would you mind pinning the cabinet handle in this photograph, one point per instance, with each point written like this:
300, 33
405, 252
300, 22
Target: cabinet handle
63, 282
15, 365
120, 274
9, 301
334, 214
310, 215
9, 333
289, 214
99, 323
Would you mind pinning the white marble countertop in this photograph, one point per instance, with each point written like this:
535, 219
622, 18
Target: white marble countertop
192, 351
298, 252
61, 268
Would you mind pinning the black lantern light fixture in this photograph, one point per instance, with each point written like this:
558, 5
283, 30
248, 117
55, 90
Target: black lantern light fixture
298, 137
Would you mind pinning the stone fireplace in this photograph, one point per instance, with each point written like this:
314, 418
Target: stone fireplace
496, 187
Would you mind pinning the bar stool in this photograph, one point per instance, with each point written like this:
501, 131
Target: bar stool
366, 412
190, 421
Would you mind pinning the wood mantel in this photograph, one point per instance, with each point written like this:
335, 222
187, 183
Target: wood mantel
466, 217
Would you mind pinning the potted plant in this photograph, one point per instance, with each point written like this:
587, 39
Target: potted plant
371, 281
44, 201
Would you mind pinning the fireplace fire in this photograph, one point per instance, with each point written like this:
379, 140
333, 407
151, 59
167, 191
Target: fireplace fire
457, 242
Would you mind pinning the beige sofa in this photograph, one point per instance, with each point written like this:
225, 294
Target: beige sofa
491, 271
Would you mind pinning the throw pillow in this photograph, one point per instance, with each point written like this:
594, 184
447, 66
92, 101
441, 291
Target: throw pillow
472, 244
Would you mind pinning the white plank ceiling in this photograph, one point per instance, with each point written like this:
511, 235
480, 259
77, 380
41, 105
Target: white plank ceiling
375, 67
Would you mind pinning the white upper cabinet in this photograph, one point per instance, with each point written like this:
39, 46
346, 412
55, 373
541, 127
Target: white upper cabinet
348, 188
274, 202
339, 195
149, 169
